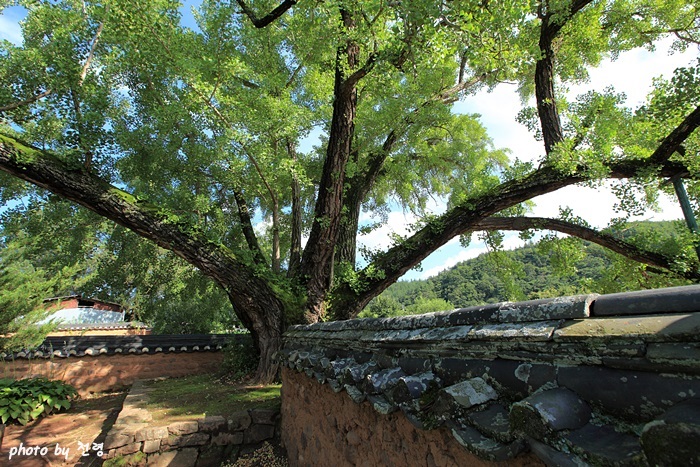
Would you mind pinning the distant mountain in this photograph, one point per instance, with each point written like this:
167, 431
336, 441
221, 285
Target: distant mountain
552, 268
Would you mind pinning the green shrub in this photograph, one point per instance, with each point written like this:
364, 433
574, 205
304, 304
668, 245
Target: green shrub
240, 359
27, 399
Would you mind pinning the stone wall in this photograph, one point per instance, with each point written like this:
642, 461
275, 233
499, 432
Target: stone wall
201, 442
320, 427
586, 380
104, 363
104, 373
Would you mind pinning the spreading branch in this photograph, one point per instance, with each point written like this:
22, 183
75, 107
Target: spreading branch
250, 294
268, 18
463, 218
605, 240
24, 102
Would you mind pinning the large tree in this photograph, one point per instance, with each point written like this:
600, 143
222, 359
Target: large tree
189, 136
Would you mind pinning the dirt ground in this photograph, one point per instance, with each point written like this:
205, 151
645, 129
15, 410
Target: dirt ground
63, 438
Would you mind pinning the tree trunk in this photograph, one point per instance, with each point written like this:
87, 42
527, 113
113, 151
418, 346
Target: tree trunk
295, 247
317, 261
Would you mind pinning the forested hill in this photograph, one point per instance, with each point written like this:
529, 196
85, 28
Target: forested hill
553, 267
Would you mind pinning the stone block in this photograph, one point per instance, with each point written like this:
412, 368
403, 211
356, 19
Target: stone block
381, 405
636, 396
493, 422
239, 421
355, 394
552, 457
544, 413
129, 449
225, 439
151, 445
258, 433
117, 440
212, 456
674, 437
183, 458
193, 439
602, 445
183, 428
379, 382
471, 392
211, 424
150, 433
412, 387
487, 448
264, 416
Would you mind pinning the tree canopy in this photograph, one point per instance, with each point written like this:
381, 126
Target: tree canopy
188, 137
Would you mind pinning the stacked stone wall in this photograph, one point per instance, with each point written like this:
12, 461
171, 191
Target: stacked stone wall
201, 442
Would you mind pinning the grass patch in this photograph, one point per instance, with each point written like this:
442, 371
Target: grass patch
205, 395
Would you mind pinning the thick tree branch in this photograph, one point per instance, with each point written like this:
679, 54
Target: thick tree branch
552, 131
392, 264
268, 18
24, 102
608, 241
255, 303
247, 226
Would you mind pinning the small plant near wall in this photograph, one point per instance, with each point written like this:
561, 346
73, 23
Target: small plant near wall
22, 401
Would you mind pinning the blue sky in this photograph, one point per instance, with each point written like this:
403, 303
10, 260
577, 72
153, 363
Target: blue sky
632, 73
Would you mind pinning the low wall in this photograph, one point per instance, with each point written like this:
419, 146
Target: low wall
320, 427
104, 363
585, 380
205, 441
107, 373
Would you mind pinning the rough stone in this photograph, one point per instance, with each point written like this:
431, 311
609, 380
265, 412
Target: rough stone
129, 449
486, 448
264, 416
379, 382
635, 396
549, 411
151, 445
408, 388
355, 394
469, 393
192, 439
117, 440
493, 422
239, 421
211, 456
552, 457
353, 438
150, 433
183, 458
605, 446
224, 439
183, 428
212, 423
381, 405
674, 437
258, 433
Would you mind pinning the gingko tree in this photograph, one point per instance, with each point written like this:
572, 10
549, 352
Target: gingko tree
191, 137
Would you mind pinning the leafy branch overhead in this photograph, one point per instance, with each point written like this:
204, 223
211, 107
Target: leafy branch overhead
194, 138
